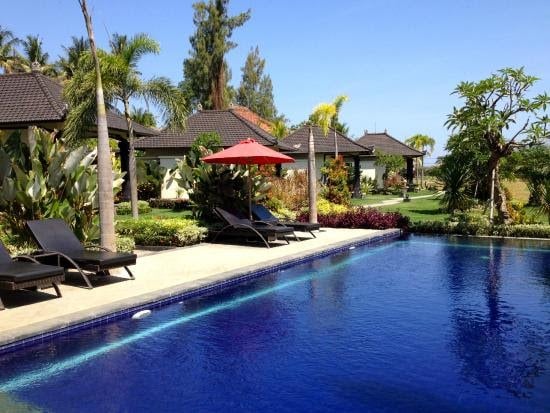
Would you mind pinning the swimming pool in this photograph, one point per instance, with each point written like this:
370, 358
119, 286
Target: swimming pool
420, 324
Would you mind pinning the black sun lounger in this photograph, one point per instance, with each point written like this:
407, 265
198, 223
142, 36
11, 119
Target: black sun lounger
240, 226
55, 236
263, 214
16, 274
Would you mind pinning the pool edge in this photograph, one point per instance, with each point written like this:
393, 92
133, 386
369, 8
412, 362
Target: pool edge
46, 331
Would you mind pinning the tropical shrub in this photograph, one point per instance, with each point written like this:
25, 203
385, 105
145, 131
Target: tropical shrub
336, 188
150, 176
518, 230
44, 178
325, 207
367, 185
211, 185
361, 217
174, 232
392, 164
125, 244
125, 208
177, 204
456, 177
289, 192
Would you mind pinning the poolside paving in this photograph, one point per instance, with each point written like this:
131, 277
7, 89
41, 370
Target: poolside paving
158, 275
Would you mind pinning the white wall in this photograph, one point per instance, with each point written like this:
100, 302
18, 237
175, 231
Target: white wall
170, 192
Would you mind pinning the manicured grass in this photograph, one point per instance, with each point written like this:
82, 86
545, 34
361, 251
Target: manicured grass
425, 209
159, 213
377, 198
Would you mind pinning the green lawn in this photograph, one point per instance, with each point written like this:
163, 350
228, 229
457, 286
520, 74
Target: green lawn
377, 198
425, 209
159, 213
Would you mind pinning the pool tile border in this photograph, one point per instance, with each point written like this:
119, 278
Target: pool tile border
186, 291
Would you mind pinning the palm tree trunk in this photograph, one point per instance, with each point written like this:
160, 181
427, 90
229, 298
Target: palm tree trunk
335, 145
104, 165
422, 172
132, 162
312, 179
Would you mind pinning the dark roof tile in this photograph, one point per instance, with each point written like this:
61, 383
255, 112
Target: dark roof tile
384, 142
27, 98
228, 125
298, 140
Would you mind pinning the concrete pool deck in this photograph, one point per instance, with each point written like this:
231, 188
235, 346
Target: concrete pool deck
159, 275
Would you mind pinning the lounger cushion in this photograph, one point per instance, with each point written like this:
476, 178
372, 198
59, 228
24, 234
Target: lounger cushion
16, 271
104, 259
304, 226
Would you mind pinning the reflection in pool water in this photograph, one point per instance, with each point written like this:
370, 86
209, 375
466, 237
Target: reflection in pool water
422, 324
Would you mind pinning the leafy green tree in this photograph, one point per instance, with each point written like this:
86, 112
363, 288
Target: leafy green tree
68, 64
392, 163
425, 144
8, 51
280, 129
500, 111
256, 89
205, 71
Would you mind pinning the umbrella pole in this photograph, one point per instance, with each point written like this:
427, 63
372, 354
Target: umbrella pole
249, 194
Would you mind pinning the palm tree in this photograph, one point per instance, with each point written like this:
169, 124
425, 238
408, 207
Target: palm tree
34, 54
128, 84
68, 64
143, 117
105, 168
8, 53
123, 82
279, 129
338, 102
424, 144
321, 116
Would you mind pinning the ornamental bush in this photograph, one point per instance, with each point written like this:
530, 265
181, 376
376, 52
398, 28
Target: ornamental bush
174, 204
169, 232
125, 208
518, 230
361, 217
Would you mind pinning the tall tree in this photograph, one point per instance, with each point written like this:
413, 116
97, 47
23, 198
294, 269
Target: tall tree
500, 111
336, 125
143, 117
321, 116
424, 144
105, 167
8, 52
205, 71
68, 64
256, 88
33, 53
123, 83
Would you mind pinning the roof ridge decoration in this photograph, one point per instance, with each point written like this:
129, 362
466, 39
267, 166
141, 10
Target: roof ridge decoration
41, 80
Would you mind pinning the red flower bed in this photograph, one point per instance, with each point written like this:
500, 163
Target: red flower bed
361, 218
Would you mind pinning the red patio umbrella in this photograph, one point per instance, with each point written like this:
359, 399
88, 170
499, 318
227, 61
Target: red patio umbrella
248, 152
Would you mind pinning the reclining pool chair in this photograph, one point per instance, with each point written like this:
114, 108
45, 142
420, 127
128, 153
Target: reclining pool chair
15, 274
262, 214
55, 236
237, 225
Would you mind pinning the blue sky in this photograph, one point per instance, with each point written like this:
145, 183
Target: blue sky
398, 61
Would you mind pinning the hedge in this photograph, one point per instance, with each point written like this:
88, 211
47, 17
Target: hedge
175, 204
175, 232
361, 217
125, 208
519, 230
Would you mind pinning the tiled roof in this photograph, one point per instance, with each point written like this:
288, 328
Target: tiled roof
228, 125
252, 117
28, 98
384, 142
298, 140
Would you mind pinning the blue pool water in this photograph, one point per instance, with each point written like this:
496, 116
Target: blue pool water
423, 324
